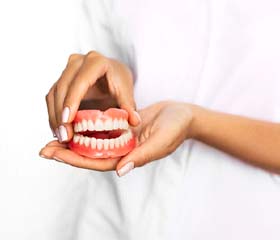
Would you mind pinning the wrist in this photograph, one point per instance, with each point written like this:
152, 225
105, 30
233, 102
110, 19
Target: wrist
198, 122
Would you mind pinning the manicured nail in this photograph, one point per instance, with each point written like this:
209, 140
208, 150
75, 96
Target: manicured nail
137, 115
63, 133
42, 155
126, 168
65, 114
57, 134
54, 135
57, 159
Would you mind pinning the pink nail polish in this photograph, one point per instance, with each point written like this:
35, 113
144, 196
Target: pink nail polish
126, 169
65, 114
57, 134
63, 133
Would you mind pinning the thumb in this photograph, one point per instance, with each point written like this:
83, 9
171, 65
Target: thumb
139, 156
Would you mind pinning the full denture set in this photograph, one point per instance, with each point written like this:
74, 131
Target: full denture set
100, 134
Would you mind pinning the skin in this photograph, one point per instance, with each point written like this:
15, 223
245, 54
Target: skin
165, 125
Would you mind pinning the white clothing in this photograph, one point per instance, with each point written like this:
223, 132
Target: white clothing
223, 55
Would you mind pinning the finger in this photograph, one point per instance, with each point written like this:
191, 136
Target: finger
142, 154
69, 157
75, 61
66, 132
123, 89
94, 67
55, 143
51, 109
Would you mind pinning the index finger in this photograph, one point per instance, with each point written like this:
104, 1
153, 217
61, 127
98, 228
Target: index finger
93, 68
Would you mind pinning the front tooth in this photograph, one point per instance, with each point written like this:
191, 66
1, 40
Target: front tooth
111, 143
84, 125
81, 140
115, 124
90, 125
99, 125
86, 141
76, 138
99, 144
80, 127
76, 127
108, 125
117, 142
120, 124
106, 144
93, 143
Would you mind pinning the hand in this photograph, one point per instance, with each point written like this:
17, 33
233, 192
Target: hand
89, 81
164, 127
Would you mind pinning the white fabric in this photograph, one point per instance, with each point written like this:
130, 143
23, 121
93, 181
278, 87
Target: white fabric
223, 55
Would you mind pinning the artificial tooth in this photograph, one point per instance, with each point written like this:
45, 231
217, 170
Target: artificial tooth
111, 143
80, 127
125, 124
93, 143
108, 125
90, 125
76, 138
121, 124
122, 141
129, 135
99, 144
99, 125
84, 125
115, 124
86, 141
81, 141
117, 142
106, 144
126, 138
76, 127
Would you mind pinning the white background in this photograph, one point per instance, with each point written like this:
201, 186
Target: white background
36, 38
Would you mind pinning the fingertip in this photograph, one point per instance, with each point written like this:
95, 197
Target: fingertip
134, 118
65, 132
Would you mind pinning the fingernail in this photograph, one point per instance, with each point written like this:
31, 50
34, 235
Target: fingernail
42, 155
54, 135
126, 168
63, 133
57, 159
65, 114
57, 134
137, 115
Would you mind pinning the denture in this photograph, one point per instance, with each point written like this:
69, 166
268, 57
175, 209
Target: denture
99, 134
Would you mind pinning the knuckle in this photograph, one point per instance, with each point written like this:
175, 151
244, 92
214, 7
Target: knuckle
48, 97
59, 87
74, 58
92, 54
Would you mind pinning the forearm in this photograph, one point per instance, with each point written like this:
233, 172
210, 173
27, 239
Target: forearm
256, 142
